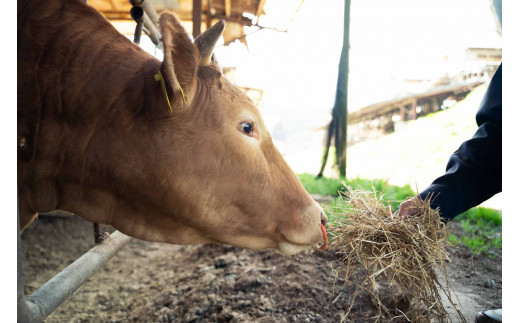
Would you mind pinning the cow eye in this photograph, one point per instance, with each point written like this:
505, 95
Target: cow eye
246, 127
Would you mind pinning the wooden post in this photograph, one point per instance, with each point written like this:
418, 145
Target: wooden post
413, 109
227, 8
209, 15
259, 9
402, 112
196, 15
338, 125
436, 106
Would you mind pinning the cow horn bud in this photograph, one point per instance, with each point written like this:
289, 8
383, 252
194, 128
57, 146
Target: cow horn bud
207, 40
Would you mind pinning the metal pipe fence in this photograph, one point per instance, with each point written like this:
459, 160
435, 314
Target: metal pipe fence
40, 304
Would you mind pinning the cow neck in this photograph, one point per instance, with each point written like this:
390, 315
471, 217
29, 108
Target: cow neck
79, 77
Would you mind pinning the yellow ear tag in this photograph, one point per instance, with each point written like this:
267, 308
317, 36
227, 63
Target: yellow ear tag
159, 77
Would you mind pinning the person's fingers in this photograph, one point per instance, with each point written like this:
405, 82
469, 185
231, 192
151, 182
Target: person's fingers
408, 208
403, 210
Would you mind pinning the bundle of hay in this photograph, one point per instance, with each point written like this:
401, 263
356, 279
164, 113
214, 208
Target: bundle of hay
403, 255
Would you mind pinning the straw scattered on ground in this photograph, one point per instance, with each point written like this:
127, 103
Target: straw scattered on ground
405, 256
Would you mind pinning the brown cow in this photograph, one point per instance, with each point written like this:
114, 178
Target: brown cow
96, 137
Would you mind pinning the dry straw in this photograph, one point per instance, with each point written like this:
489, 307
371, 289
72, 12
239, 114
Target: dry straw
405, 256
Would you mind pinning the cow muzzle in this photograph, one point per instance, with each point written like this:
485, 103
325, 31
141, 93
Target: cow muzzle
305, 234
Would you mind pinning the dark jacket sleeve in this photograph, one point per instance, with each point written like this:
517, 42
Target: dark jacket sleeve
474, 171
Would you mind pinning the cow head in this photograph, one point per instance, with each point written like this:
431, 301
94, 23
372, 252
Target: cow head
205, 171
222, 178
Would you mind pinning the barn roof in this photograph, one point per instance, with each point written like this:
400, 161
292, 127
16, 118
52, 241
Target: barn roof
237, 13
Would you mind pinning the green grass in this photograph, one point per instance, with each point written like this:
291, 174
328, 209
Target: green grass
482, 226
329, 186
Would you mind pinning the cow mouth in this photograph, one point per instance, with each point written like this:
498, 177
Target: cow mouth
291, 247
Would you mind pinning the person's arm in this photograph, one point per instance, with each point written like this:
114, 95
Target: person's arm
474, 171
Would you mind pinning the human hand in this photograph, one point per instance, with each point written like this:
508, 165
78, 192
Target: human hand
410, 207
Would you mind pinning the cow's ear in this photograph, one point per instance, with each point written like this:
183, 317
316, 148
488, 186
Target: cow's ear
207, 40
179, 62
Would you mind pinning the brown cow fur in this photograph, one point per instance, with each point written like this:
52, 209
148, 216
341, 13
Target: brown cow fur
96, 138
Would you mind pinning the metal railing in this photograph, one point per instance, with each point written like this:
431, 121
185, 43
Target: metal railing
145, 16
40, 304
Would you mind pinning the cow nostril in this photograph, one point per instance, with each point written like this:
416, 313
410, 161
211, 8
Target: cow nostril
324, 219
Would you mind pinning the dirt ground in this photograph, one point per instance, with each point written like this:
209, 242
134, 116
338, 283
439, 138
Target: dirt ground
156, 282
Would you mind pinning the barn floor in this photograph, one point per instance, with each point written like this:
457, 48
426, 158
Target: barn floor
155, 282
